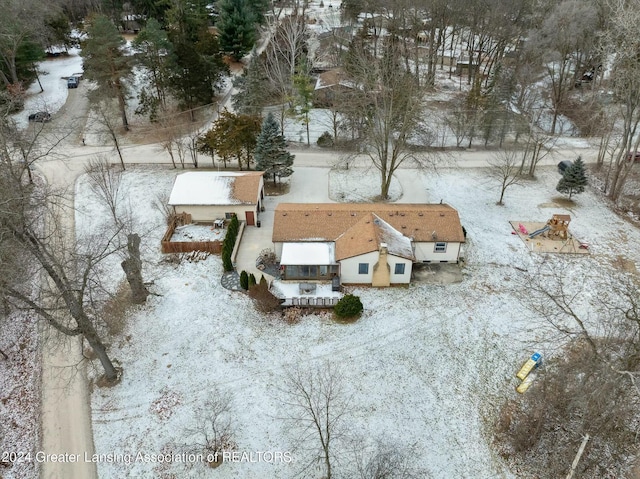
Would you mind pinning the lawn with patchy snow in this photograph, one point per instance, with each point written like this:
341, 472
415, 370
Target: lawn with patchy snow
427, 365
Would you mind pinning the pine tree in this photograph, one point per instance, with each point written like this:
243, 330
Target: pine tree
251, 86
271, 155
106, 63
574, 179
236, 25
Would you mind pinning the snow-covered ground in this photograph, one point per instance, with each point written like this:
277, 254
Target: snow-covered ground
427, 365
197, 232
53, 73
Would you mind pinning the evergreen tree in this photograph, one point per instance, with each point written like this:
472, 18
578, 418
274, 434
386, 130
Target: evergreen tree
259, 8
251, 86
236, 25
574, 179
105, 61
153, 50
271, 155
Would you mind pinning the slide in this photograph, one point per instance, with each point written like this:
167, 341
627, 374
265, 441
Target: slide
539, 232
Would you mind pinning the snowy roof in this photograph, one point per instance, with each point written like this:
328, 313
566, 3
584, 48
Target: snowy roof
216, 188
307, 253
328, 221
368, 234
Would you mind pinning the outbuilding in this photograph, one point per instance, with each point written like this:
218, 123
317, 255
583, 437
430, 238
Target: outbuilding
213, 195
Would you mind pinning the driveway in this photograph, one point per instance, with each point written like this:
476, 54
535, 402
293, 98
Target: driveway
307, 185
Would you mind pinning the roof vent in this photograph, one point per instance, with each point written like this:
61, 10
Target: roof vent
329, 213
434, 235
284, 214
402, 214
441, 214
421, 214
306, 214
404, 227
352, 213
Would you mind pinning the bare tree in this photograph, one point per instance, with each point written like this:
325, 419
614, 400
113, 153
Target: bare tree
385, 461
563, 41
213, 434
285, 54
393, 106
505, 167
105, 183
317, 405
621, 39
107, 122
589, 385
36, 242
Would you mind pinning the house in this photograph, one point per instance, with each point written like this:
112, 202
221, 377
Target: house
363, 243
331, 85
211, 195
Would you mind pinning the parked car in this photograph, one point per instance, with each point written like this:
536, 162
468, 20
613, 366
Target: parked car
41, 116
563, 165
73, 82
635, 156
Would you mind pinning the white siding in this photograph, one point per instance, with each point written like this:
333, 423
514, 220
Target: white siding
349, 268
400, 278
207, 214
426, 252
277, 247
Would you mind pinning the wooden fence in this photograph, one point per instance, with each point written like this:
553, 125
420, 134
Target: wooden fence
168, 246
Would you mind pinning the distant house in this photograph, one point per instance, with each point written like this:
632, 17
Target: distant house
329, 85
211, 195
373, 244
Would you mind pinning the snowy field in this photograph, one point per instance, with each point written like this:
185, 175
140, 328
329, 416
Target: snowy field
427, 365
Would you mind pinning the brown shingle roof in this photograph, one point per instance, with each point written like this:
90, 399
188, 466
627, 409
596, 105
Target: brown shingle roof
327, 221
246, 188
366, 236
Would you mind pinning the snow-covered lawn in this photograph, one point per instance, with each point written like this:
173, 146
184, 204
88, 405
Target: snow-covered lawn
427, 365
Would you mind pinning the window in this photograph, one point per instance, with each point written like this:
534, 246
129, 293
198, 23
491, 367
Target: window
399, 268
228, 216
363, 268
324, 270
440, 248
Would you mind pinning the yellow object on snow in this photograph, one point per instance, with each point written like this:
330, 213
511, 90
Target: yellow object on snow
524, 385
527, 367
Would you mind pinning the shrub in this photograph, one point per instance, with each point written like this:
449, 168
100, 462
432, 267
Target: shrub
244, 280
263, 299
229, 242
348, 306
293, 315
325, 140
252, 280
227, 264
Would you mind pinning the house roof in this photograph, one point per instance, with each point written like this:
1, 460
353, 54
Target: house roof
333, 77
329, 221
308, 253
368, 234
216, 188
